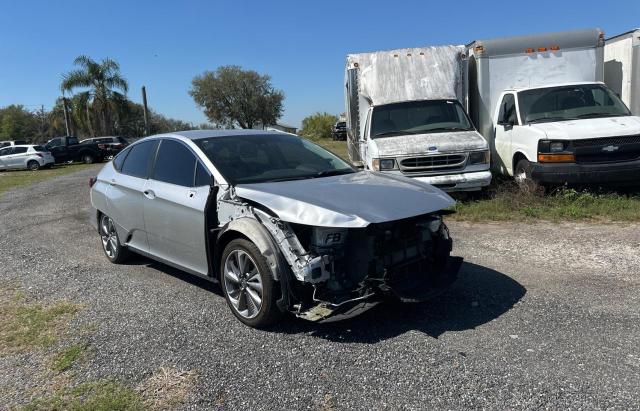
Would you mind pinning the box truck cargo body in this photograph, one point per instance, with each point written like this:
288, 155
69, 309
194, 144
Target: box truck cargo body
622, 67
405, 117
540, 102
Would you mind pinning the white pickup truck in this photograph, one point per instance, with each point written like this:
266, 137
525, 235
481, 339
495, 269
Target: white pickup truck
541, 103
405, 117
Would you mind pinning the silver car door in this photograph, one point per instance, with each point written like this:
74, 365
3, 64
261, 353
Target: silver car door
125, 194
4, 157
174, 208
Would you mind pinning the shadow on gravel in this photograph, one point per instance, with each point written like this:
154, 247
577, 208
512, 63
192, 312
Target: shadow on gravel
478, 296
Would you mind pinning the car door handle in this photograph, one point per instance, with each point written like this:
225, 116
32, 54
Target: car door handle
149, 194
112, 182
192, 193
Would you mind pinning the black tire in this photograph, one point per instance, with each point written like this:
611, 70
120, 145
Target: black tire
33, 165
88, 158
113, 249
268, 313
522, 175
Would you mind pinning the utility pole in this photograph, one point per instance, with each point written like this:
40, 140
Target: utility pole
42, 122
66, 115
145, 112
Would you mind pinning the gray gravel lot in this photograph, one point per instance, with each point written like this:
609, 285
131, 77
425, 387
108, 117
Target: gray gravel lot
543, 315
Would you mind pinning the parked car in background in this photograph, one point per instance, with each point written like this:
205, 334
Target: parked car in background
66, 149
8, 143
339, 131
281, 223
30, 157
111, 145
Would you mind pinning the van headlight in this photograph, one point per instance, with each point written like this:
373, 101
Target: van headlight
479, 157
384, 164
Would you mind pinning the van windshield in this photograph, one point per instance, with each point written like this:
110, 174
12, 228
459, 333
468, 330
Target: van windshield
418, 117
569, 103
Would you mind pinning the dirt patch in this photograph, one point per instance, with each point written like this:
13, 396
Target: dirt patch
167, 388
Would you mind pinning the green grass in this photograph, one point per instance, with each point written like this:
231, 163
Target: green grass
19, 178
67, 357
506, 203
102, 395
336, 147
25, 326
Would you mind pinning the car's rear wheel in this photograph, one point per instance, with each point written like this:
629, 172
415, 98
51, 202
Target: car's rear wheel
33, 165
113, 249
247, 284
88, 158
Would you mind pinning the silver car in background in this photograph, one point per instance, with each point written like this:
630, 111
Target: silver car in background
20, 157
281, 223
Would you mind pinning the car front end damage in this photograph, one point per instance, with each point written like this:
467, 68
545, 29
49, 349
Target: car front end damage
329, 273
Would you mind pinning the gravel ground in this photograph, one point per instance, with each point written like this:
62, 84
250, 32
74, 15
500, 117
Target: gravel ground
543, 315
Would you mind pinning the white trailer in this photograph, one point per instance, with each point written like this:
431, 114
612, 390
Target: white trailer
540, 102
405, 117
622, 67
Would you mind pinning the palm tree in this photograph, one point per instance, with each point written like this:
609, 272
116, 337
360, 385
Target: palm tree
102, 80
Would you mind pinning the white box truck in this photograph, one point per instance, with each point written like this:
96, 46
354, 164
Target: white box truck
622, 67
540, 102
404, 116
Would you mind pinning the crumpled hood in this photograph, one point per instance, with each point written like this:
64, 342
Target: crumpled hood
350, 200
425, 143
590, 128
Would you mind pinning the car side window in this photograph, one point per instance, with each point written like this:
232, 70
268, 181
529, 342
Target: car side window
175, 164
118, 160
137, 162
203, 177
507, 113
5, 151
19, 150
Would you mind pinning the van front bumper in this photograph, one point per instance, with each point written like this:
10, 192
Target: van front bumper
459, 182
572, 173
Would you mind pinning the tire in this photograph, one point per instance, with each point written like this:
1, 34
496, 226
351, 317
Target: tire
88, 158
522, 176
33, 165
245, 275
113, 249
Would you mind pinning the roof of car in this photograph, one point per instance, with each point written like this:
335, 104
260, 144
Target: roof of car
198, 134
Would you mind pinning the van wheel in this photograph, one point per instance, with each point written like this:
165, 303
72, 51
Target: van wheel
33, 165
522, 176
88, 159
247, 284
113, 249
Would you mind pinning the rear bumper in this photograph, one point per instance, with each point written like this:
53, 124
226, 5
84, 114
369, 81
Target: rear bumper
571, 173
459, 182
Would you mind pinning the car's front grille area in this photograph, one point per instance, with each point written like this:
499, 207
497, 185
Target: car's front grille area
603, 141
439, 162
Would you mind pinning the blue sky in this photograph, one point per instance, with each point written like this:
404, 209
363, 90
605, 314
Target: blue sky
301, 44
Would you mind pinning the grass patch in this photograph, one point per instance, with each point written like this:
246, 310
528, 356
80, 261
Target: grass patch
25, 325
19, 178
336, 147
103, 395
167, 388
64, 359
505, 202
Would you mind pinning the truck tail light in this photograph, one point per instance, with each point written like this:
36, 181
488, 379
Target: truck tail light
557, 158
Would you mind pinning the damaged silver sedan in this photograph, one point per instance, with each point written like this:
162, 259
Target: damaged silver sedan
282, 224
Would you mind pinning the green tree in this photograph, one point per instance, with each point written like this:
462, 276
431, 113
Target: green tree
318, 125
102, 80
232, 96
16, 122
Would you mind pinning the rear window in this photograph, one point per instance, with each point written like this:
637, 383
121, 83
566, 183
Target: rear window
119, 159
39, 148
137, 162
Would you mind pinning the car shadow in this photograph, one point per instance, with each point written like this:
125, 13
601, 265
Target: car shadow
478, 296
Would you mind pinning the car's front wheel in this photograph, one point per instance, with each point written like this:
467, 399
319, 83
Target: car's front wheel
113, 249
248, 285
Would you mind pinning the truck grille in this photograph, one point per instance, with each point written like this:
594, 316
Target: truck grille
440, 162
607, 149
603, 141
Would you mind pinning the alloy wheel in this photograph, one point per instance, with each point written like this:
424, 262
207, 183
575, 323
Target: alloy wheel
243, 283
109, 236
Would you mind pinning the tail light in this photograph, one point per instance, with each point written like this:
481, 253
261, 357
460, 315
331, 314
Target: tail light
92, 181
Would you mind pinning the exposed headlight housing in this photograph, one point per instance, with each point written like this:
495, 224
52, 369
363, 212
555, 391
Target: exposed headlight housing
479, 157
384, 164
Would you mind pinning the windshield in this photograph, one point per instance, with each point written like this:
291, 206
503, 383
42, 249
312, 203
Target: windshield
569, 103
269, 158
417, 117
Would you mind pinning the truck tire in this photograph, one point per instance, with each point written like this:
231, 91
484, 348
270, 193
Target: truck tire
522, 176
247, 284
88, 158
33, 165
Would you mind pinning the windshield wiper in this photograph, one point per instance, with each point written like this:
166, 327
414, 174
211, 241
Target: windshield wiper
549, 119
327, 173
594, 115
431, 130
394, 133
